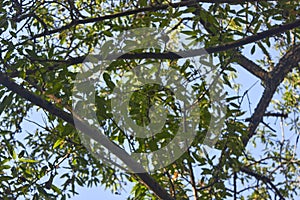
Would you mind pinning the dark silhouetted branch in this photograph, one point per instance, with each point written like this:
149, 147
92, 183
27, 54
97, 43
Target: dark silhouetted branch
247, 64
263, 178
251, 66
88, 130
290, 60
151, 8
270, 114
116, 15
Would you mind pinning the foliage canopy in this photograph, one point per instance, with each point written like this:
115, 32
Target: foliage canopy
44, 44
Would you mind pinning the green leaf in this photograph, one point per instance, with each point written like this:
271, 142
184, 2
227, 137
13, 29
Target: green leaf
234, 105
261, 46
108, 81
28, 160
58, 142
6, 102
14, 155
42, 191
5, 167
253, 50
5, 178
107, 33
257, 26
31, 53
8, 55
56, 189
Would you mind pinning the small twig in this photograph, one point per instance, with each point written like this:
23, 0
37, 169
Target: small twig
269, 114
263, 178
193, 182
234, 186
267, 125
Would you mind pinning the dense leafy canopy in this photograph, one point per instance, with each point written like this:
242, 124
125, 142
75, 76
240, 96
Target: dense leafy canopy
43, 46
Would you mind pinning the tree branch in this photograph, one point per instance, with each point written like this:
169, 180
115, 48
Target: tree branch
193, 181
116, 15
273, 80
263, 178
88, 130
241, 59
251, 66
290, 60
234, 185
151, 8
270, 114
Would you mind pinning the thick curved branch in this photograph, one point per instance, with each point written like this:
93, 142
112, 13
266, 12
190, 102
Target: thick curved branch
290, 60
88, 130
240, 59
116, 15
215, 49
151, 8
248, 65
